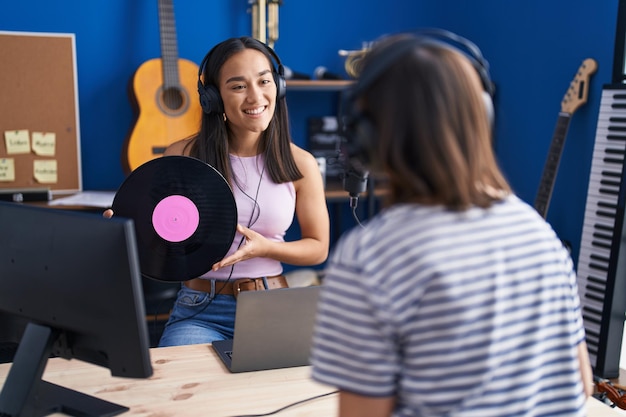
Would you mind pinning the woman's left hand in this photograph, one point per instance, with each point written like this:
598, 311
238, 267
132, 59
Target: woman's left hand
254, 246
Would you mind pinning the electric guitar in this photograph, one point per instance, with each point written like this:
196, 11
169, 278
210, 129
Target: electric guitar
164, 98
575, 97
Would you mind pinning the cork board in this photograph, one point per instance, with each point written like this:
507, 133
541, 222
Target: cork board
39, 127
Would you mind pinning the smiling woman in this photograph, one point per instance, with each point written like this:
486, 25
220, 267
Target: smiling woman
245, 136
249, 99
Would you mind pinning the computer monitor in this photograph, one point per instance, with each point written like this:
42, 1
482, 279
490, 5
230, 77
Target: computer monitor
11, 331
74, 278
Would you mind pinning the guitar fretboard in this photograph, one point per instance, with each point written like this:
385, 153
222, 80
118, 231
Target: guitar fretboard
546, 185
169, 44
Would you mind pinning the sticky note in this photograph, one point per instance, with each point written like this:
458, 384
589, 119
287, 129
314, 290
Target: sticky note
44, 144
17, 141
45, 171
7, 169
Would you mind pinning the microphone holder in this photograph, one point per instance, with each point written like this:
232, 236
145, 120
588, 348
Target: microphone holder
354, 183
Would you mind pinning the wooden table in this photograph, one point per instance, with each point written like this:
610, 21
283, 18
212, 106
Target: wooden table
192, 381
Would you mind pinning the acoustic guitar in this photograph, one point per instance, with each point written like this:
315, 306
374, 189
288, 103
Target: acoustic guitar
163, 92
575, 97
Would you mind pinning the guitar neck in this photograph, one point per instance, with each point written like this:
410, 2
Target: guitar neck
551, 167
169, 44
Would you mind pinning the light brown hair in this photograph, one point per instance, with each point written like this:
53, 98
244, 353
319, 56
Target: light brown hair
433, 133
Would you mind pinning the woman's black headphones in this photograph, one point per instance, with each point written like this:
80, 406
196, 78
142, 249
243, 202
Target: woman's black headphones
210, 98
358, 130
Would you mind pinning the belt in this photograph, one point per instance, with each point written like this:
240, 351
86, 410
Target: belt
235, 287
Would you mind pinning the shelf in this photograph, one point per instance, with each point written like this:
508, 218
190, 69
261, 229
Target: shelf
335, 193
318, 85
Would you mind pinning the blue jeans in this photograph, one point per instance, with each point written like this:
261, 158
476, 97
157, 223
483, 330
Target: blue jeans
198, 318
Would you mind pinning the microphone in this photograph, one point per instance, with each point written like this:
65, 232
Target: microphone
294, 75
322, 73
354, 179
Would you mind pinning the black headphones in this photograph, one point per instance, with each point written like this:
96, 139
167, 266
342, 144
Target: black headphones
359, 132
210, 98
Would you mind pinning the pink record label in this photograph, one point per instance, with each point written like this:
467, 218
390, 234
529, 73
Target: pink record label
175, 218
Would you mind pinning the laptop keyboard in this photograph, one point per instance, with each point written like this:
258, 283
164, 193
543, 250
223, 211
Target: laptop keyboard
229, 353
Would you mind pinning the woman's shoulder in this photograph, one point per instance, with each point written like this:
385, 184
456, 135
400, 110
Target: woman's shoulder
303, 158
180, 147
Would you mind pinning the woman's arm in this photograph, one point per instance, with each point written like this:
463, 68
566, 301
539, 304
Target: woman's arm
354, 405
312, 215
585, 368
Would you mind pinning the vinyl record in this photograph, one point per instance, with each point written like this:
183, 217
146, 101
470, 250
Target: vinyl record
184, 213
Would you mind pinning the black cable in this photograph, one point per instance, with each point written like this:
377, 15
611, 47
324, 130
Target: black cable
354, 201
271, 413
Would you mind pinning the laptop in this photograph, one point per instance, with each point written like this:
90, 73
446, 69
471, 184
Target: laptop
273, 329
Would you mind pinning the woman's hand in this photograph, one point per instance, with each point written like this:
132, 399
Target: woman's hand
254, 246
107, 214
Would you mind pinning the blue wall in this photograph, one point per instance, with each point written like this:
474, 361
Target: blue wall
534, 47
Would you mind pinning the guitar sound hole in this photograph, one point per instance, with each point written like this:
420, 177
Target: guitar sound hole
173, 100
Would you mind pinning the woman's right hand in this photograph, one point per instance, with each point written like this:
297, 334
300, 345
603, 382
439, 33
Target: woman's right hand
107, 214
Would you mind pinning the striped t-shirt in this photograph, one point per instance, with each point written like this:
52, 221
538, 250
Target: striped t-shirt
472, 313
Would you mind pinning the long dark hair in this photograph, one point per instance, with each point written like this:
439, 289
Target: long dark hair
432, 128
211, 144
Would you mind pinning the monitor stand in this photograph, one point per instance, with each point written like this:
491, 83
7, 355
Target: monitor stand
25, 394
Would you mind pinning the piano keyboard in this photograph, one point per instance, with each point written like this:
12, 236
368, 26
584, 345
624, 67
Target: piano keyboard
601, 271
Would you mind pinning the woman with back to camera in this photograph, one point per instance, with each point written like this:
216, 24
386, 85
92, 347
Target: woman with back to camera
457, 299
245, 136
